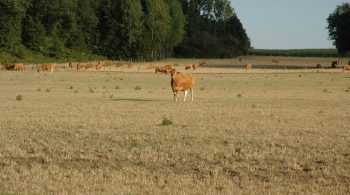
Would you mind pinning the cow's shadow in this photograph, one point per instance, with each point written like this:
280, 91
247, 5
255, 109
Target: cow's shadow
137, 100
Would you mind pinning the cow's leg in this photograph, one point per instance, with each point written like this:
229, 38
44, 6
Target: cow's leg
191, 94
175, 96
185, 95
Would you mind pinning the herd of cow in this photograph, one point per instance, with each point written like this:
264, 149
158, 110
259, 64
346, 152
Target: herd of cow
179, 81
334, 64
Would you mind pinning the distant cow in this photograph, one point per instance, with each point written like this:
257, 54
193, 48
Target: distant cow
319, 66
119, 64
130, 65
168, 68
151, 66
334, 64
181, 82
275, 61
80, 67
89, 66
98, 66
205, 62
70, 65
195, 66
46, 67
8, 66
108, 63
248, 66
18, 67
346, 68
159, 69
188, 66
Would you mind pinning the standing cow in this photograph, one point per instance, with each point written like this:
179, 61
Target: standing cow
181, 82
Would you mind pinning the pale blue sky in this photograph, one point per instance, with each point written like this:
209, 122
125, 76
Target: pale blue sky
286, 24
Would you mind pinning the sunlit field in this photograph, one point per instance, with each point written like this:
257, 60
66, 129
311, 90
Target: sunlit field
119, 131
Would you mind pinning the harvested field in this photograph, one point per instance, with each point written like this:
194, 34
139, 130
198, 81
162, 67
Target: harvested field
103, 132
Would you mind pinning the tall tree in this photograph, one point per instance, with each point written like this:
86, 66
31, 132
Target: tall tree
177, 26
132, 28
339, 27
157, 28
212, 30
11, 16
110, 17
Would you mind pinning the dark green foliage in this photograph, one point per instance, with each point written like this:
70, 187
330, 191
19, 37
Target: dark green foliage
339, 28
212, 30
166, 121
123, 29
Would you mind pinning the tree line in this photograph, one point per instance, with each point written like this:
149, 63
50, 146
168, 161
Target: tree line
122, 29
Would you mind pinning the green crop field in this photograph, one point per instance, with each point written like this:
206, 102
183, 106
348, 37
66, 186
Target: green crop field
114, 132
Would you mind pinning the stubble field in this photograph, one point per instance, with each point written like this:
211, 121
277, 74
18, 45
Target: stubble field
101, 133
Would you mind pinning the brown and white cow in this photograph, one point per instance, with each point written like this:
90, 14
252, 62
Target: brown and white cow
119, 65
248, 66
80, 67
8, 66
46, 67
159, 69
195, 66
151, 66
18, 67
205, 62
181, 82
346, 68
319, 66
334, 64
188, 66
98, 66
130, 65
89, 66
70, 65
168, 68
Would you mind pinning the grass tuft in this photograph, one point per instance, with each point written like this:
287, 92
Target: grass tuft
166, 121
19, 97
137, 88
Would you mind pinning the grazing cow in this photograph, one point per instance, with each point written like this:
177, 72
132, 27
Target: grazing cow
188, 66
18, 67
275, 61
195, 66
130, 65
168, 68
334, 64
8, 66
108, 62
319, 66
203, 62
70, 65
89, 66
151, 66
346, 68
46, 67
80, 67
159, 69
98, 66
248, 66
119, 64
181, 82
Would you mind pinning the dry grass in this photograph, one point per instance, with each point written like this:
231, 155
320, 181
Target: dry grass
286, 133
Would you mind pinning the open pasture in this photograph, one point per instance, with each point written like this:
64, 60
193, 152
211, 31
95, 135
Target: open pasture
95, 132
